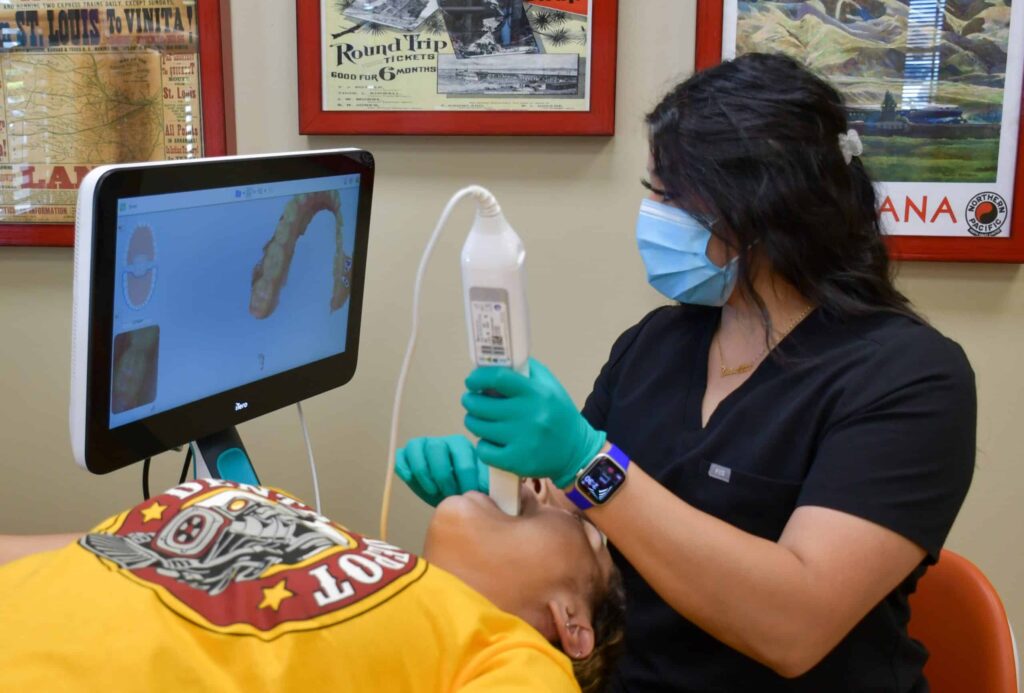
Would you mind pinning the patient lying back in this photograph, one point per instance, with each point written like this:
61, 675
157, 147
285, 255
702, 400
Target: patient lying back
219, 586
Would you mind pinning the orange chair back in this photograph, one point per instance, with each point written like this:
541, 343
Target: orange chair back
958, 616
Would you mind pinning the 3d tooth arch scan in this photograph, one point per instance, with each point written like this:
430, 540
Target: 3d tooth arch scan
271, 273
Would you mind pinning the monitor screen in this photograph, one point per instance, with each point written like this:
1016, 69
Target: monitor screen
215, 290
210, 292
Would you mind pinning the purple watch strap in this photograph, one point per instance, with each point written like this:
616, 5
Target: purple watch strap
577, 497
619, 456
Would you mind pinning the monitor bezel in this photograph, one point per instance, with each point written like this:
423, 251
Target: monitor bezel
106, 449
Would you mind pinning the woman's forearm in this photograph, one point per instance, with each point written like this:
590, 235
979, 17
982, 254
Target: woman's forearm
15, 546
778, 604
744, 590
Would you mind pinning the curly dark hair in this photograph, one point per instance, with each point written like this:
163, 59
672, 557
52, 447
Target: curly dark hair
608, 609
753, 143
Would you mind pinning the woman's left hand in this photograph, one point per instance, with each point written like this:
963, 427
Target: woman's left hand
531, 428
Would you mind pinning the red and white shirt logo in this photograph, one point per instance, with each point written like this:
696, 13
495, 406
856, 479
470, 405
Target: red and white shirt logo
250, 560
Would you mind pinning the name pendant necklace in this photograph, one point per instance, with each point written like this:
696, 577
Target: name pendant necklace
727, 371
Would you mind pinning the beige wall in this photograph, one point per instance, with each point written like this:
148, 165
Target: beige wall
574, 203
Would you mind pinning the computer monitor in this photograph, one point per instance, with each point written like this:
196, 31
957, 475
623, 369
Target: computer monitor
211, 292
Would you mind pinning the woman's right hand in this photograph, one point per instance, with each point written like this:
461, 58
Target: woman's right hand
435, 468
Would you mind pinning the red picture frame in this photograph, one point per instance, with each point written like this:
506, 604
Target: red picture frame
599, 120
213, 18
710, 18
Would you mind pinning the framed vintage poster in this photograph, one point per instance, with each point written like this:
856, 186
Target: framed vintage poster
457, 67
934, 89
97, 82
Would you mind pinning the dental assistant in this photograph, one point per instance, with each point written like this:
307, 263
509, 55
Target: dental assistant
778, 456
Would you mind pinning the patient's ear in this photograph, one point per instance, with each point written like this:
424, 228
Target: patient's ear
572, 624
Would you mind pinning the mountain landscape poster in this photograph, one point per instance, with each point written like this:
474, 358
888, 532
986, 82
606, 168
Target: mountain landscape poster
933, 87
924, 81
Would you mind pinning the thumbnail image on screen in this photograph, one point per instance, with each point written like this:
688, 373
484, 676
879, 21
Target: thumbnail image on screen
219, 288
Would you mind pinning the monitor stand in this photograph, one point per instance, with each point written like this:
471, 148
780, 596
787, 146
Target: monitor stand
222, 456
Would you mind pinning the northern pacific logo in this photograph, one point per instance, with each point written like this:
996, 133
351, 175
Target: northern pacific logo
986, 214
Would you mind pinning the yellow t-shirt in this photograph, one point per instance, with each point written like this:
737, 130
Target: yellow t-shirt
224, 587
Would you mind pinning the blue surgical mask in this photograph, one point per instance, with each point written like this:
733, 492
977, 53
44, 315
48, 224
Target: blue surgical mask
673, 245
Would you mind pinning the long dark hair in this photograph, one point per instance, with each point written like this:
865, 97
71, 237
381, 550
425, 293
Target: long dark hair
754, 143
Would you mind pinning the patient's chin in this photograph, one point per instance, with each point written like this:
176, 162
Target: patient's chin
468, 506
451, 535
454, 517
454, 506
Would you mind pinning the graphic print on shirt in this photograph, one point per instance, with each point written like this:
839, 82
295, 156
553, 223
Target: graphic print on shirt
249, 560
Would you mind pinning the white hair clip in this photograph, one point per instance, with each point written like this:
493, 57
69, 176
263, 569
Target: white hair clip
850, 145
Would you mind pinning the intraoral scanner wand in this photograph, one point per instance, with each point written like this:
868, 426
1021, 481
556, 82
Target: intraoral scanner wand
494, 288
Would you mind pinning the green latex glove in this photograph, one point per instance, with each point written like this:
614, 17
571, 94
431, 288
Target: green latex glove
532, 428
435, 468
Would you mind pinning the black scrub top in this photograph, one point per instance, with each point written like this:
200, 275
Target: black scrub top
873, 416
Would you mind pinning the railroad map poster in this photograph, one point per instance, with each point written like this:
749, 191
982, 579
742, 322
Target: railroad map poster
933, 87
456, 55
89, 83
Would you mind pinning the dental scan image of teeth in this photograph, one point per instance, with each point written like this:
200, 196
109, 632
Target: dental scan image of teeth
135, 368
271, 274
139, 277
277, 263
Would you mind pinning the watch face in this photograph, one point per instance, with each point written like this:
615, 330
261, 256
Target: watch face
601, 480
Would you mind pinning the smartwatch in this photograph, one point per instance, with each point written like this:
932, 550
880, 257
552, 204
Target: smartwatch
599, 479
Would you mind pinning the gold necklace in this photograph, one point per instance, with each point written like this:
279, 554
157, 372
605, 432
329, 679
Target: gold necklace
726, 371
